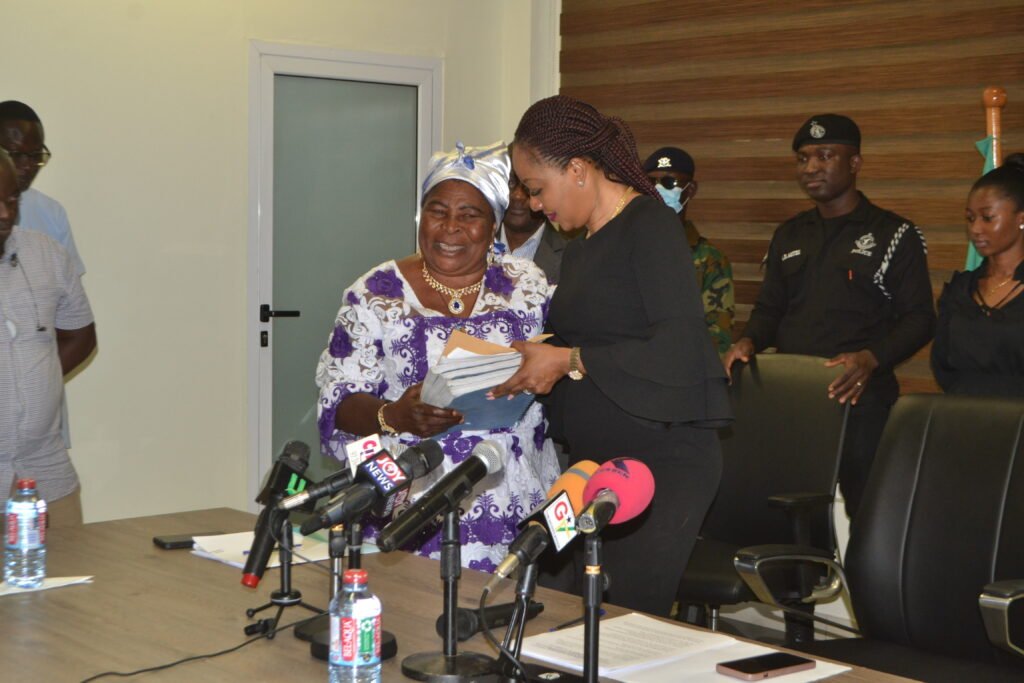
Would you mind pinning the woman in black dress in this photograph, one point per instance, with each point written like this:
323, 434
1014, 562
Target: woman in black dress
979, 343
631, 370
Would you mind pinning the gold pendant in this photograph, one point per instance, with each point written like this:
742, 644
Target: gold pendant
456, 306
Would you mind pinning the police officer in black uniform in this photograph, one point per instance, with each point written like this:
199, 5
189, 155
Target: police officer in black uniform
848, 281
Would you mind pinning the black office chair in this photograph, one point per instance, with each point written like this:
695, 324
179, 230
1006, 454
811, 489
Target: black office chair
781, 459
942, 518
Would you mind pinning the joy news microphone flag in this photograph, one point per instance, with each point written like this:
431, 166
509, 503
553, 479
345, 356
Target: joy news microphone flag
380, 480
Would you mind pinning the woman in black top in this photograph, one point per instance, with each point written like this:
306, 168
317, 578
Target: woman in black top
979, 344
630, 370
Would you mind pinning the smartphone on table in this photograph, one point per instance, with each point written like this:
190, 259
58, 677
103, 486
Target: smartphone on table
764, 666
179, 541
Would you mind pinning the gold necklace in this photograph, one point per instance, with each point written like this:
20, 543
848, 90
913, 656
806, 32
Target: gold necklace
455, 304
617, 211
992, 290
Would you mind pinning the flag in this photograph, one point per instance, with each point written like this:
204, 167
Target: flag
986, 149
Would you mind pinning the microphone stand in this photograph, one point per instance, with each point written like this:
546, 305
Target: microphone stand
320, 640
450, 666
318, 631
593, 587
286, 596
513, 641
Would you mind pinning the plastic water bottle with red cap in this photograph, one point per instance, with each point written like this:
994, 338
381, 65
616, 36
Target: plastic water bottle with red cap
355, 632
25, 547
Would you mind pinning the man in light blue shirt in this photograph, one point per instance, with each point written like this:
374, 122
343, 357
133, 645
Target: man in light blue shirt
22, 136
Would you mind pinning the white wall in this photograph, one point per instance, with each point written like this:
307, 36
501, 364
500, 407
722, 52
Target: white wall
145, 107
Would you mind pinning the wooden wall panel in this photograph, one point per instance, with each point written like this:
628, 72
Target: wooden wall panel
731, 80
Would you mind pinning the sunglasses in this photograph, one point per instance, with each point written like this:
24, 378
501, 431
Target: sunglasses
668, 182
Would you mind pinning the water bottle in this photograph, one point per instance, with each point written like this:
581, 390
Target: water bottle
25, 551
355, 632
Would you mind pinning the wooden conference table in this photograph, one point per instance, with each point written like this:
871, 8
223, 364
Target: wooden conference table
148, 606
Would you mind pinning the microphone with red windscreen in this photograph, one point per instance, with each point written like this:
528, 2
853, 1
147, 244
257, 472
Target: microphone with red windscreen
617, 492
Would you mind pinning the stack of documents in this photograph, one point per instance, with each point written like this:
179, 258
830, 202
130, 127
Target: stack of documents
467, 370
639, 649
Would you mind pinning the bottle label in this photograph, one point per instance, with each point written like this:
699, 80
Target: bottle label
355, 640
33, 528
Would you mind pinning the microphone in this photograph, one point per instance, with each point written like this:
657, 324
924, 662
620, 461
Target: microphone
617, 492
468, 624
444, 496
285, 477
554, 519
379, 479
326, 487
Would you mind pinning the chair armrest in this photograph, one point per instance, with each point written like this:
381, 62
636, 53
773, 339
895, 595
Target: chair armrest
748, 562
995, 601
799, 500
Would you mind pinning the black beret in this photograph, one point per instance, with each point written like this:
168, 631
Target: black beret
670, 159
825, 129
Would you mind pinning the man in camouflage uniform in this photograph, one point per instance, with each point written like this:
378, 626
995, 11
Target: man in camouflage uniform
671, 170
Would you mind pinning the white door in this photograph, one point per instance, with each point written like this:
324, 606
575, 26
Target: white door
341, 143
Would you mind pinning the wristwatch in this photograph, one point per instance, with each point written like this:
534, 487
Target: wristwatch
574, 364
385, 428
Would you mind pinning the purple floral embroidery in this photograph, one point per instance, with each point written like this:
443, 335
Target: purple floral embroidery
341, 343
496, 281
538, 435
351, 299
459, 447
385, 283
483, 565
326, 426
517, 450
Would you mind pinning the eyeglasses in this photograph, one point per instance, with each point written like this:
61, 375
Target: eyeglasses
40, 158
668, 182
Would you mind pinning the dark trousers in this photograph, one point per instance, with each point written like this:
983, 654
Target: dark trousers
863, 432
645, 558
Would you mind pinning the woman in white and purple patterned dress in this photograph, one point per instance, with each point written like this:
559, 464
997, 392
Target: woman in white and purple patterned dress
394, 323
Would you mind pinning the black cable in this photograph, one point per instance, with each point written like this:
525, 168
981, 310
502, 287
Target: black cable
494, 641
210, 655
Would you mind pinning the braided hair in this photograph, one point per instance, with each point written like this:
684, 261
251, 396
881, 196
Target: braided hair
561, 128
1008, 178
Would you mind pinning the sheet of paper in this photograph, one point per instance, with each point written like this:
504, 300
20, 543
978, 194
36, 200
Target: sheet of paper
233, 549
627, 643
700, 667
48, 583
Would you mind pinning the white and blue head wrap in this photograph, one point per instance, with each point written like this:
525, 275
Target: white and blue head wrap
485, 168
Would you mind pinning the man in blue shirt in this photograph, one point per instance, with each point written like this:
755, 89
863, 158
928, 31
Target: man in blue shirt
22, 136
46, 331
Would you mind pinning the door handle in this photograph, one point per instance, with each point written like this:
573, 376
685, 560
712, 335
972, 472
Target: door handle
266, 314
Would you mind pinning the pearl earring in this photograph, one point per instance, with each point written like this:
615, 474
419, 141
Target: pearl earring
580, 183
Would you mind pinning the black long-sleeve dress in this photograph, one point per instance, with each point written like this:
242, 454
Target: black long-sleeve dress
979, 350
654, 390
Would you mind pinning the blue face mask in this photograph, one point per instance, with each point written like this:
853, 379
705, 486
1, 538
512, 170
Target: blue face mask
672, 197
